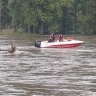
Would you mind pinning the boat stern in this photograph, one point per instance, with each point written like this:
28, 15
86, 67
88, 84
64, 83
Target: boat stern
37, 43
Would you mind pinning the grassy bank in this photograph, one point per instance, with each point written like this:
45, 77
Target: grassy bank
22, 35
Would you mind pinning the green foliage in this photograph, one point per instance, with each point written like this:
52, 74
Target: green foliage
15, 7
63, 16
6, 19
86, 16
42, 10
30, 12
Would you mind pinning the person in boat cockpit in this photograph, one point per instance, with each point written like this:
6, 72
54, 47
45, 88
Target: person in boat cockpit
52, 37
69, 38
60, 37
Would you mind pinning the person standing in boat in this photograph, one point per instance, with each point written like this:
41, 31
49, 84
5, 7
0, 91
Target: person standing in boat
52, 37
60, 37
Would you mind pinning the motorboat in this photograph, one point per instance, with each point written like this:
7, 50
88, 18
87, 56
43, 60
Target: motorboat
58, 44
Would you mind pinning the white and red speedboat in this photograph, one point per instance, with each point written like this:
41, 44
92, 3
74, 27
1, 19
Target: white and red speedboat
58, 44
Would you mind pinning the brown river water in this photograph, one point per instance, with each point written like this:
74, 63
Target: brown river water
34, 71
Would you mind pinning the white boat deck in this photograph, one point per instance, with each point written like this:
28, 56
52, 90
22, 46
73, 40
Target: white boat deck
46, 43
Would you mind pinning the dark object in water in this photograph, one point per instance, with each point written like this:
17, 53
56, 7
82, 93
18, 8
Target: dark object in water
37, 43
4, 50
12, 49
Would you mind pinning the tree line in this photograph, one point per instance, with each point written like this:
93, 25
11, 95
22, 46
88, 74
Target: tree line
46, 16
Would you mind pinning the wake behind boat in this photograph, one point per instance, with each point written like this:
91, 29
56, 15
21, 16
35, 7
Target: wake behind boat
58, 44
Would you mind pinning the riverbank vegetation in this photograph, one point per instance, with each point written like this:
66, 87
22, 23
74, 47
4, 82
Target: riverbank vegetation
46, 16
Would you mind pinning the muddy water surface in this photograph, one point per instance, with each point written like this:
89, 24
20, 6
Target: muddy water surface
33, 71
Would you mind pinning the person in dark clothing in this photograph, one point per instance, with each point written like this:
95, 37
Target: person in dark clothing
52, 38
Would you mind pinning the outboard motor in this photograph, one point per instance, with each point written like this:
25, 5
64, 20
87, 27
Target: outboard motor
37, 43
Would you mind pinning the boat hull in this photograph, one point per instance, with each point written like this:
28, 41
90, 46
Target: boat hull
57, 44
63, 44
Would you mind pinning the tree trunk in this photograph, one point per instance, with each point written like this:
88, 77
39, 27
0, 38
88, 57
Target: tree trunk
34, 29
15, 28
0, 13
42, 28
29, 28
